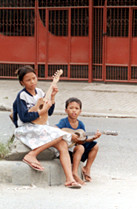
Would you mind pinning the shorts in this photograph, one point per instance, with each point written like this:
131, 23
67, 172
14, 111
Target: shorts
88, 146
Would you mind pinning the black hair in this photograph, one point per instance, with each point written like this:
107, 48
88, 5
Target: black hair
22, 71
73, 99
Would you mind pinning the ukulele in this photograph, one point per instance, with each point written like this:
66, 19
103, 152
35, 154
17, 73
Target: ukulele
44, 117
82, 135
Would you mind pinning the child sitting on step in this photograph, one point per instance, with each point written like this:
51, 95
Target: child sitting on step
79, 152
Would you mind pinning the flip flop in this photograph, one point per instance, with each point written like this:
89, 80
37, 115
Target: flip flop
33, 165
86, 176
73, 185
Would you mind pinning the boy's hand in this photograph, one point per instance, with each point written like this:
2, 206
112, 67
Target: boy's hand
97, 135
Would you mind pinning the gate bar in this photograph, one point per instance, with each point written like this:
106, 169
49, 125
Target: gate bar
90, 76
129, 43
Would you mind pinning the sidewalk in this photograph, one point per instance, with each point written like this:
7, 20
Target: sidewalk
114, 170
99, 100
106, 100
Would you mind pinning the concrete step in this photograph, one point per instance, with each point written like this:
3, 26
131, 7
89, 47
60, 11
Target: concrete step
19, 173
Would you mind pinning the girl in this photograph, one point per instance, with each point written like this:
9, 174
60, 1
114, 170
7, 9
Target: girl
39, 137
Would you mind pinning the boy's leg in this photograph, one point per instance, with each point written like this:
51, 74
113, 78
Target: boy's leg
62, 147
77, 154
91, 157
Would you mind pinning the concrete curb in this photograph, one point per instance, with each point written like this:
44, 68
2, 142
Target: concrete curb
104, 115
19, 173
86, 114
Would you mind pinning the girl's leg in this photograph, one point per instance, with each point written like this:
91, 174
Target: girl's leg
31, 159
91, 157
62, 147
78, 152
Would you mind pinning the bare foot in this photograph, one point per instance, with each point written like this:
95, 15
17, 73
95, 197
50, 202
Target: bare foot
33, 162
86, 175
78, 179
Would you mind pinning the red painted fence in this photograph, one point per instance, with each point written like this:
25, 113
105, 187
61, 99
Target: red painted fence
90, 40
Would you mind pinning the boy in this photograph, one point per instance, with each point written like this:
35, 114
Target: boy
80, 152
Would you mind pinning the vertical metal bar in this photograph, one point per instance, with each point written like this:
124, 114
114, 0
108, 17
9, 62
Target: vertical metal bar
18, 29
90, 63
28, 21
10, 21
98, 39
20, 22
129, 43
63, 23
78, 21
2, 25
104, 41
36, 36
14, 22
54, 20
46, 39
24, 22
69, 41
6, 11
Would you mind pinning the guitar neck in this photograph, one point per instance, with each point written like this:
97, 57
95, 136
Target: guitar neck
112, 133
55, 80
48, 94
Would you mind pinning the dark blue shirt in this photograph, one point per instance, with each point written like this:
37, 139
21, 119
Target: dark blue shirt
23, 102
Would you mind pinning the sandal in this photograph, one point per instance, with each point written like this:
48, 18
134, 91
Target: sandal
86, 176
73, 185
33, 165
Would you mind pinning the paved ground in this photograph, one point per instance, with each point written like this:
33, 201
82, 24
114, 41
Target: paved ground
103, 193
114, 176
116, 100
114, 184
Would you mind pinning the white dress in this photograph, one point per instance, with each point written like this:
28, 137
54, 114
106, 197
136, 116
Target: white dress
34, 135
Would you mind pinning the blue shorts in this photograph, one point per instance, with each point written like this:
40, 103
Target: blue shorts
88, 146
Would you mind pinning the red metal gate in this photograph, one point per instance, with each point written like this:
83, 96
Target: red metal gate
91, 40
115, 41
46, 34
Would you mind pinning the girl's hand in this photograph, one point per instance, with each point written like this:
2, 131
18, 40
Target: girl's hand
54, 91
75, 138
45, 107
40, 102
48, 104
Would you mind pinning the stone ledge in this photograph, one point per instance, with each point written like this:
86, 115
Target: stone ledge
14, 171
17, 150
19, 173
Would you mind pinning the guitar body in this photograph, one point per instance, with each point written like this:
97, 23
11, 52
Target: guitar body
44, 117
80, 132
82, 135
